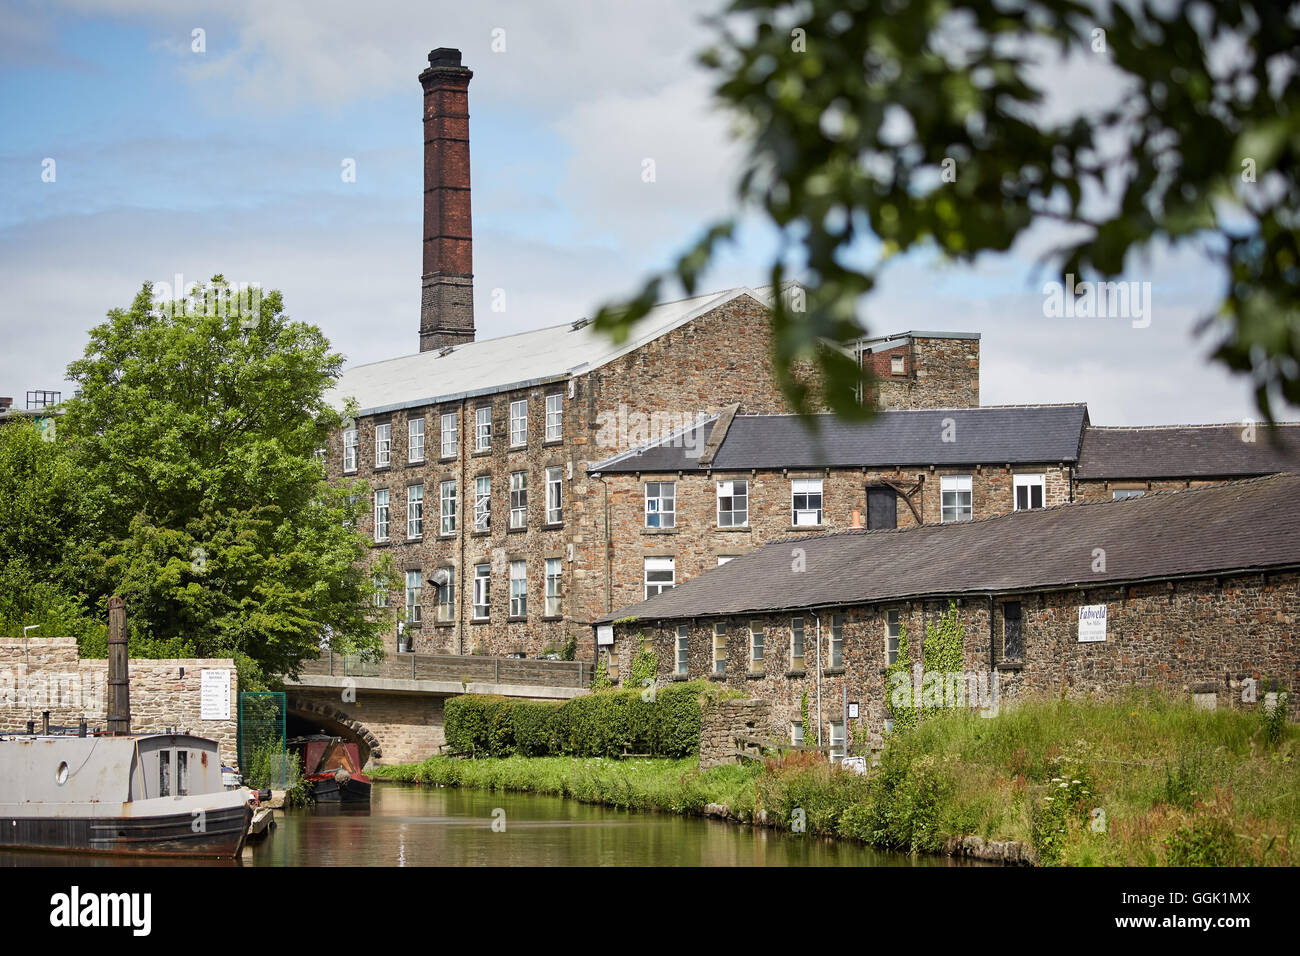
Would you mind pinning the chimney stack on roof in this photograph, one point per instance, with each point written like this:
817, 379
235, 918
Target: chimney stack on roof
447, 283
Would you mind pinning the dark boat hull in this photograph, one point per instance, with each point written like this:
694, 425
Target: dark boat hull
353, 791
222, 834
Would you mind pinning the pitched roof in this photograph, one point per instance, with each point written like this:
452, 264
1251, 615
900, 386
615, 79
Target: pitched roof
983, 435
1188, 451
511, 361
1239, 526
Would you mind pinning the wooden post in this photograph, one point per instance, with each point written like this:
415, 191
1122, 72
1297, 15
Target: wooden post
119, 679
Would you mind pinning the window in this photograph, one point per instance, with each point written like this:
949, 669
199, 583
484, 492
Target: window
955, 497
381, 590
319, 456
796, 644
554, 417
756, 636
351, 520
350, 450
447, 597
719, 648
837, 739
413, 581
483, 428
882, 508
518, 588
554, 496
796, 733
482, 577
518, 423
415, 439
554, 586
381, 515
733, 504
383, 445
724, 558
660, 575
1029, 491
897, 365
806, 501
164, 773
1013, 643
182, 773
893, 631
683, 633
448, 497
482, 502
518, 499
837, 641
415, 511
660, 504
1119, 493
449, 435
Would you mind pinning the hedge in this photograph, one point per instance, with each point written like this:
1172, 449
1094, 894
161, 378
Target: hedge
598, 725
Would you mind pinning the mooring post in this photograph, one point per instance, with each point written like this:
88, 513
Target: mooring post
119, 680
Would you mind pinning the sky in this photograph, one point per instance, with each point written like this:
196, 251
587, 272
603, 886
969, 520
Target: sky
228, 159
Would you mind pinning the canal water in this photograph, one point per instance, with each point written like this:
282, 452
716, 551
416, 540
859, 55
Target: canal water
429, 826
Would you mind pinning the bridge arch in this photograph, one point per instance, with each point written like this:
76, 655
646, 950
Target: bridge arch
338, 723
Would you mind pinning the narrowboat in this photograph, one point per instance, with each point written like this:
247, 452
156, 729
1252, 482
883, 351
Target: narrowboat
332, 767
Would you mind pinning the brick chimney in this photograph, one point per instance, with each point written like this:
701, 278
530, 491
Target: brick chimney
447, 284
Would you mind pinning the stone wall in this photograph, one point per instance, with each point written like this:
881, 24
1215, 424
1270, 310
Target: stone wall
49, 674
1098, 489
392, 728
720, 723
937, 372
1185, 638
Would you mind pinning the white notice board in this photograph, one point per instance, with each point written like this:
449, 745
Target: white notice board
214, 695
1092, 623
604, 634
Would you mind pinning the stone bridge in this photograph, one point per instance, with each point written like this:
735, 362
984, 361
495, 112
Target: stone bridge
393, 708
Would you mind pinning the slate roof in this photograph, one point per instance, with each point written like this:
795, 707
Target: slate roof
1238, 526
511, 361
1187, 451
992, 434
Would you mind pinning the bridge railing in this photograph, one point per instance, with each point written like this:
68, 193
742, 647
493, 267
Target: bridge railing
455, 667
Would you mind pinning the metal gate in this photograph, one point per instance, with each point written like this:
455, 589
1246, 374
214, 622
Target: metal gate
263, 758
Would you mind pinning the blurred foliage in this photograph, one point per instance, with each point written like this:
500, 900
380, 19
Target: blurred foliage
922, 124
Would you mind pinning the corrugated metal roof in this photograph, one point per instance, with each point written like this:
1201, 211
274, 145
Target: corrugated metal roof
1244, 525
1189, 451
511, 361
986, 435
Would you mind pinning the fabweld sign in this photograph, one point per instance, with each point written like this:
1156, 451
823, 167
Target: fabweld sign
1092, 623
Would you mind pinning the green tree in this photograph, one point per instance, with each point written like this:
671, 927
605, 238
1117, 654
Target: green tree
921, 123
195, 432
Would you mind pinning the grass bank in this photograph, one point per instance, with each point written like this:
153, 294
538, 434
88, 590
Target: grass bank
1143, 780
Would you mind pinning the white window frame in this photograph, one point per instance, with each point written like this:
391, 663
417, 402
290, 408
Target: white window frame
661, 509
720, 644
837, 740
483, 503
554, 417
555, 495
658, 564
414, 611
893, 632
554, 568
956, 485
415, 511
798, 630
835, 638
449, 434
519, 499
415, 439
447, 507
810, 490
482, 591
349, 451
682, 649
727, 489
518, 588
383, 445
796, 733
519, 423
757, 642
1030, 482
483, 428
725, 558
381, 590
381, 514
447, 596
